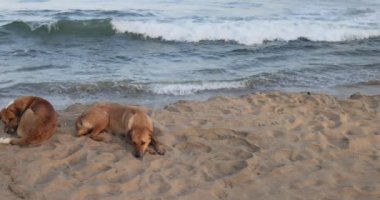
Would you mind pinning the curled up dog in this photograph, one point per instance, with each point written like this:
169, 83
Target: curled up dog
32, 119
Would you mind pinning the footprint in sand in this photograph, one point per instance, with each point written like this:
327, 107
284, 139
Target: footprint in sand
184, 186
278, 134
179, 171
232, 155
193, 147
215, 170
239, 142
340, 142
221, 194
241, 154
154, 184
67, 151
123, 177
328, 119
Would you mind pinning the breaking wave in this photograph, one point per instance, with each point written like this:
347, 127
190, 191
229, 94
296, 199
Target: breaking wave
245, 32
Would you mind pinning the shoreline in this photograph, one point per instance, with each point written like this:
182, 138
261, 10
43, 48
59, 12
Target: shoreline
157, 101
262, 145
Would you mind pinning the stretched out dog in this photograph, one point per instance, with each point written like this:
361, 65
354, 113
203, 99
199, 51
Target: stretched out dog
33, 119
120, 119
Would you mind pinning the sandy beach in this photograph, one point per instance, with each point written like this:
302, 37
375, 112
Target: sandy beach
253, 100
270, 145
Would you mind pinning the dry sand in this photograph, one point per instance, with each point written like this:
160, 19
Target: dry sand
258, 146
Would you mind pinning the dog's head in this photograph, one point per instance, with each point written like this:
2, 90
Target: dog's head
10, 119
141, 138
81, 126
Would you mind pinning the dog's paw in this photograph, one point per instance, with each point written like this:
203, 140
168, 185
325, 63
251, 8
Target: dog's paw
105, 137
161, 151
5, 140
80, 134
150, 150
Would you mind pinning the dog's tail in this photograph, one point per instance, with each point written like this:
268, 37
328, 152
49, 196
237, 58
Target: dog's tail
4, 140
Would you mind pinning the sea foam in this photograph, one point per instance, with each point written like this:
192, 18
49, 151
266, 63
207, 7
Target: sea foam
245, 32
192, 88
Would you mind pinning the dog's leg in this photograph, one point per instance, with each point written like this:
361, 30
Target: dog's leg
26, 124
96, 135
25, 129
20, 141
82, 133
157, 146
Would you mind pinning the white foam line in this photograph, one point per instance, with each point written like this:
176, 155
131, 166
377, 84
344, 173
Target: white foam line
246, 32
191, 88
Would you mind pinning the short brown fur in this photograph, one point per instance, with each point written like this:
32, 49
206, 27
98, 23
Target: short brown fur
131, 121
32, 118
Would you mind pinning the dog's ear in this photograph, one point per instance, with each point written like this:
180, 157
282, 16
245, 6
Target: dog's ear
130, 123
133, 111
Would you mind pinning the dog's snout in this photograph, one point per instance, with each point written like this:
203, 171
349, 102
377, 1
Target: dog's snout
9, 130
138, 155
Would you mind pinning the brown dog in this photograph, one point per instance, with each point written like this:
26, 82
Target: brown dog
32, 118
131, 121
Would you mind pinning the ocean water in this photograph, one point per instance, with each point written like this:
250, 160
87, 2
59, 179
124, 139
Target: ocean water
156, 52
